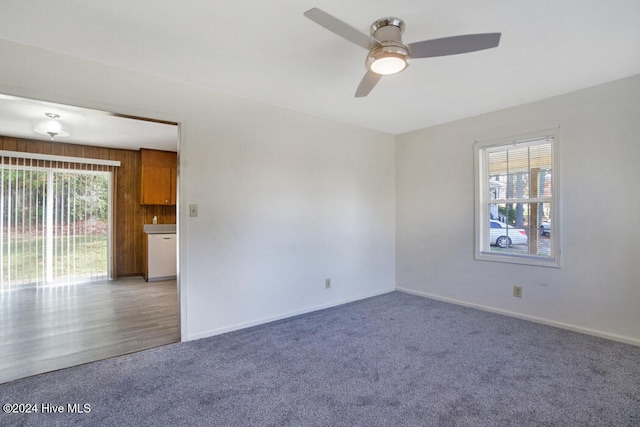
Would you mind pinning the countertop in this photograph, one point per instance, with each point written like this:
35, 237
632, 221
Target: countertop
159, 228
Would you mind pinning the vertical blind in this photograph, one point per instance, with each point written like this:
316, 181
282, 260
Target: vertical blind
55, 220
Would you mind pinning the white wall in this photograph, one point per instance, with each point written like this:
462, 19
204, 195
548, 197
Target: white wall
597, 290
285, 199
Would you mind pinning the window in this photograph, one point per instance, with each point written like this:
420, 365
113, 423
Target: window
516, 201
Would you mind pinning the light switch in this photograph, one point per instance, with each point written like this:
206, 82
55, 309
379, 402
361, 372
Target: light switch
193, 210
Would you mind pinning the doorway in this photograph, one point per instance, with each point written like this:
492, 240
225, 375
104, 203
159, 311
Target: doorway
69, 247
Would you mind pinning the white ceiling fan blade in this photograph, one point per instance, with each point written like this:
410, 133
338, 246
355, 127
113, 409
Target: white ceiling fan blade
340, 28
453, 45
367, 83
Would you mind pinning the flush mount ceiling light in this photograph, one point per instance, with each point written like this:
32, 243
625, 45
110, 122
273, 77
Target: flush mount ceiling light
50, 126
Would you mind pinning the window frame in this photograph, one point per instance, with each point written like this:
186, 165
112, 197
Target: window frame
482, 197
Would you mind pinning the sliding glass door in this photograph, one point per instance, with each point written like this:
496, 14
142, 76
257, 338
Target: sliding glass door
54, 223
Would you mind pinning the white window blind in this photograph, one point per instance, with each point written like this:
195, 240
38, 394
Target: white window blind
55, 220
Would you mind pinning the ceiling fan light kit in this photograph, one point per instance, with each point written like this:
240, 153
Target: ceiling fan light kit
391, 56
388, 54
388, 59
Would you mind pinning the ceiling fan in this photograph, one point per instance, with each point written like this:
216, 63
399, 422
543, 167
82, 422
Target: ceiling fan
388, 54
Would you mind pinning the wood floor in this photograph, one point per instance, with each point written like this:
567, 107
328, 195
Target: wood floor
49, 329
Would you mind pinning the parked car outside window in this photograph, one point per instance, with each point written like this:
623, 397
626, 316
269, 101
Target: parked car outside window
545, 228
504, 235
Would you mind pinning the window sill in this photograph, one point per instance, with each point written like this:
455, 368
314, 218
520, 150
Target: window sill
518, 259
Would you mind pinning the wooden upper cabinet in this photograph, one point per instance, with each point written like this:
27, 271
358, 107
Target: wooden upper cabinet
159, 177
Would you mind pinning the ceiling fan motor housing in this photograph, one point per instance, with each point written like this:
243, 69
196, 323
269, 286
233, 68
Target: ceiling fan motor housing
388, 32
388, 29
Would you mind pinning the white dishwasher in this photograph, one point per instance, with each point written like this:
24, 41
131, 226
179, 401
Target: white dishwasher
161, 256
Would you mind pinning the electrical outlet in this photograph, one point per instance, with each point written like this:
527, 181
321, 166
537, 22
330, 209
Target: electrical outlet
517, 291
327, 283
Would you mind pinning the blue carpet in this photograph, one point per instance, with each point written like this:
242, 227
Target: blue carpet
391, 360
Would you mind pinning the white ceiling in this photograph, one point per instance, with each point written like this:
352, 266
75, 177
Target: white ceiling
270, 52
85, 126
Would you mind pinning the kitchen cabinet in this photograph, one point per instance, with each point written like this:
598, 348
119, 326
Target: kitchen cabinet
159, 171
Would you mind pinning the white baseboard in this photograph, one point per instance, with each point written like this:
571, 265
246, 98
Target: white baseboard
238, 326
568, 326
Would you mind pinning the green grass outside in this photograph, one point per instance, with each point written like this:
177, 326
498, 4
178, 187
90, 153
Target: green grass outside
26, 266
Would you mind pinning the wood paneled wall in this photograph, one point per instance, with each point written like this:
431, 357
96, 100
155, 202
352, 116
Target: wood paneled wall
129, 214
